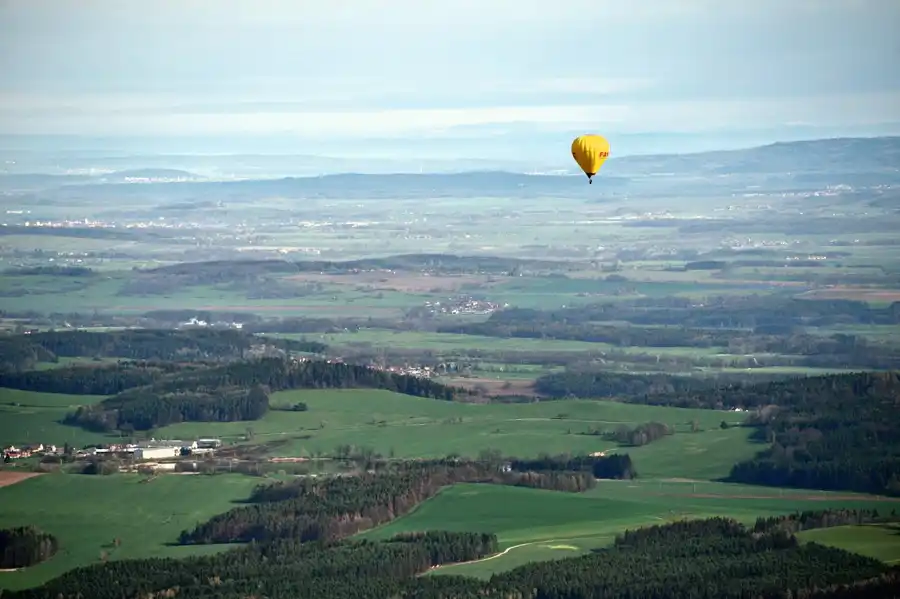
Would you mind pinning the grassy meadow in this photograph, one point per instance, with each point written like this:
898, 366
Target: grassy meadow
879, 541
86, 513
28, 417
405, 426
409, 427
535, 525
675, 476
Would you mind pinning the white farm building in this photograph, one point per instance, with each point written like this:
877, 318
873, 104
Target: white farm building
156, 453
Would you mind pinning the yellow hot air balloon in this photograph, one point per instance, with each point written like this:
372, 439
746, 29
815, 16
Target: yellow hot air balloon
590, 152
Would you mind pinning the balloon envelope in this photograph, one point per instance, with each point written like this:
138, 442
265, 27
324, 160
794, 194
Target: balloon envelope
590, 152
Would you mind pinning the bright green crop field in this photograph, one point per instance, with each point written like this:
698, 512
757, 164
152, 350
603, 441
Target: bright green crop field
405, 426
534, 525
86, 513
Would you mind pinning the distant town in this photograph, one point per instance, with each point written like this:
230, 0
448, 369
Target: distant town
463, 305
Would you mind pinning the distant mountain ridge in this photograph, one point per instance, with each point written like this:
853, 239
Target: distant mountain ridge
848, 154
854, 161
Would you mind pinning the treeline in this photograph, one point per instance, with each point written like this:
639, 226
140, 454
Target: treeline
216, 271
745, 312
25, 546
838, 432
702, 559
707, 558
56, 271
690, 392
285, 569
144, 409
808, 520
89, 379
641, 434
233, 391
333, 508
517, 323
281, 374
22, 351
450, 547
17, 353
266, 278
615, 466
739, 326
640, 388
761, 319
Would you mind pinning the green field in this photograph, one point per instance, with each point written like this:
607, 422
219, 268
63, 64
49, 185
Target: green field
536, 525
47, 294
407, 426
86, 513
28, 417
880, 541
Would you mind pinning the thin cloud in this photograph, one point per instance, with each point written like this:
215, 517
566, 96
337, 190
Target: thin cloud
429, 67
321, 95
648, 116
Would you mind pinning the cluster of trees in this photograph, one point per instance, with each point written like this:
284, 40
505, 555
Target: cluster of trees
642, 434
746, 312
716, 321
615, 466
808, 520
640, 388
21, 352
284, 569
90, 379
216, 271
279, 374
253, 286
17, 353
450, 547
144, 408
149, 394
56, 271
264, 278
836, 432
706, 558
333, 508
744, 325
25, 546
702, 559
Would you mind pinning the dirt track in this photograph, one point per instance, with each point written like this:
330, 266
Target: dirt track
488, 558
11, 477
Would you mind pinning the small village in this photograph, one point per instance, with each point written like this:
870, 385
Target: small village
464, 305
147, 450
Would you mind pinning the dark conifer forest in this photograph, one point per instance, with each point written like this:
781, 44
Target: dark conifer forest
703, 559
25, 546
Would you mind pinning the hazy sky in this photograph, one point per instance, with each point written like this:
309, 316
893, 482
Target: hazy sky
386, 68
